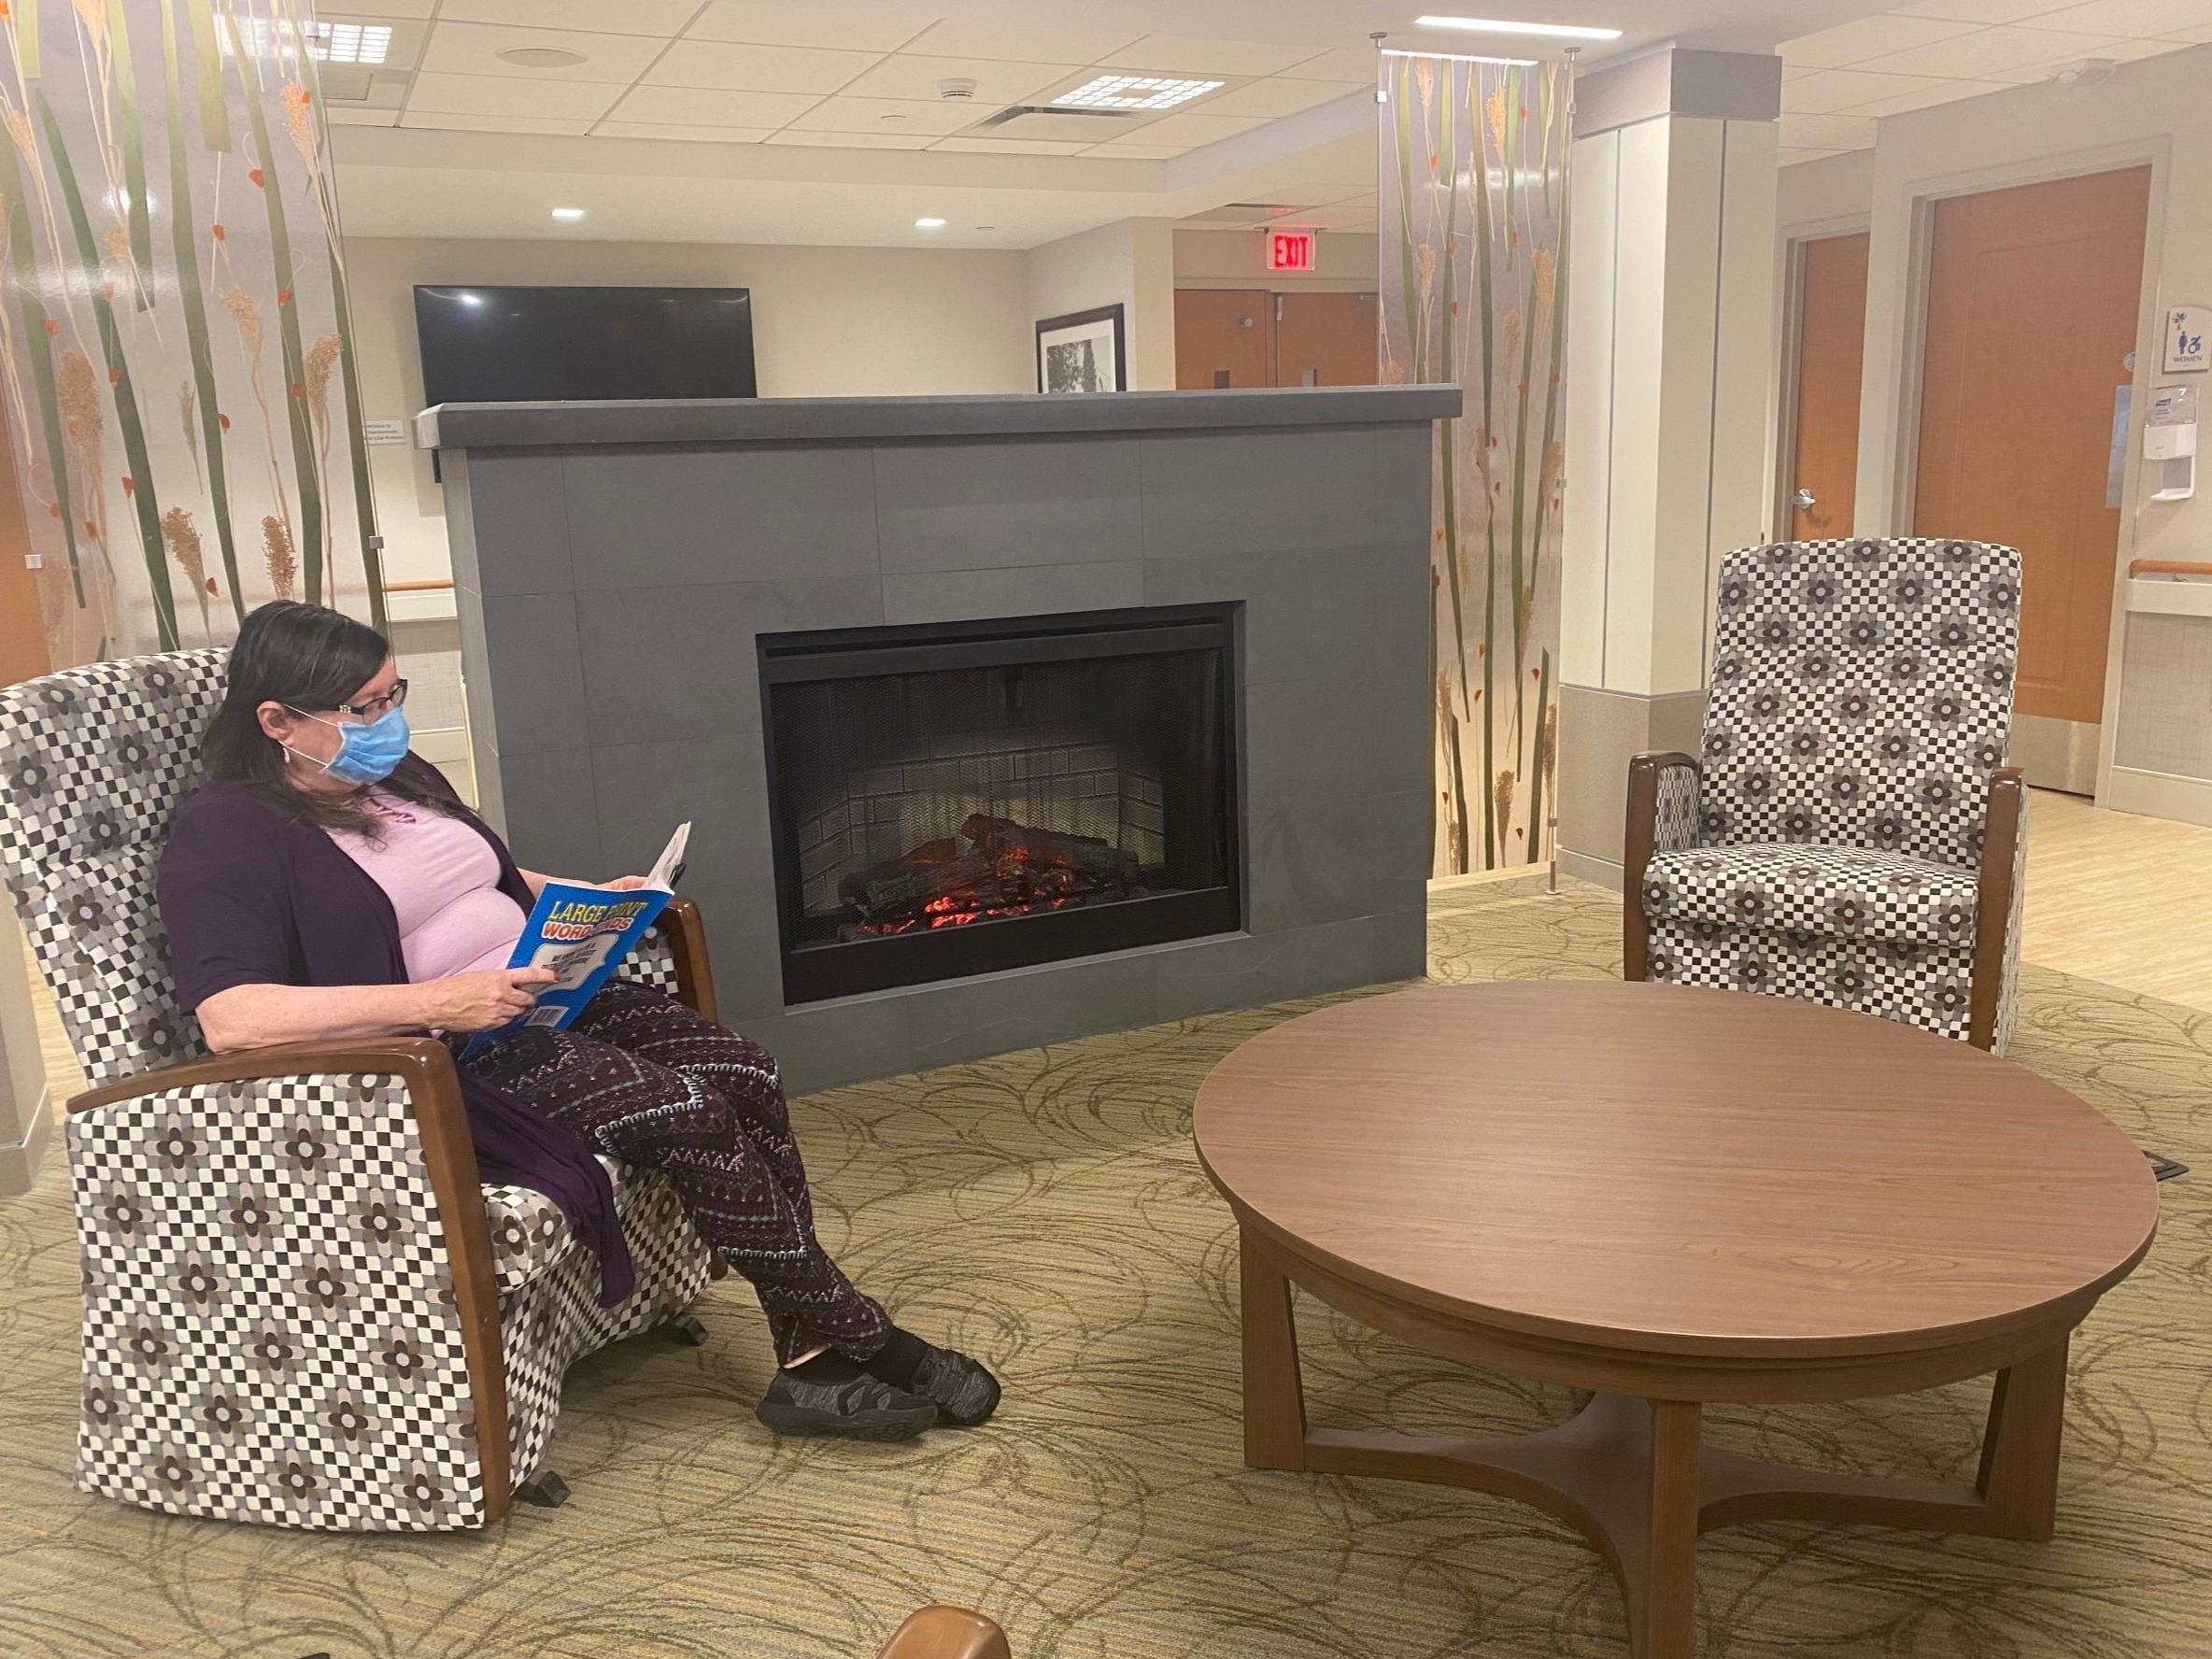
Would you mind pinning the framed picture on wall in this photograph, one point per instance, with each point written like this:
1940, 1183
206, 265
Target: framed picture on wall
1083, 352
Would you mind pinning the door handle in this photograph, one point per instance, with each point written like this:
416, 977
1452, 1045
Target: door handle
1802, 498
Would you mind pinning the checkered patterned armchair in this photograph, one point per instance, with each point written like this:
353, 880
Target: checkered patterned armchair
1850, 834
300, 1306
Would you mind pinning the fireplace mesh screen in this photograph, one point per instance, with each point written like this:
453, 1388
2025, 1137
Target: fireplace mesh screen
930, 798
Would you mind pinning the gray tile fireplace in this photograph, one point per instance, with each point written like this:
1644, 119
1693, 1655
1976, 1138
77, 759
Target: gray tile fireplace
1001, 720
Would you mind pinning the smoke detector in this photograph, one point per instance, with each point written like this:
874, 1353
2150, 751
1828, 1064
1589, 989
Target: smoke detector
957, 88
2084, 72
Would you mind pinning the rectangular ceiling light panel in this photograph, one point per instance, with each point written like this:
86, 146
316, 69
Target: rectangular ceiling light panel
1134, 91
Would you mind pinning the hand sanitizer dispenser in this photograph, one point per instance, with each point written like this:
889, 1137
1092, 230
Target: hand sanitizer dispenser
2170, 442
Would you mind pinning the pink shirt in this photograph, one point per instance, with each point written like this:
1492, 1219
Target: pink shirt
443, 879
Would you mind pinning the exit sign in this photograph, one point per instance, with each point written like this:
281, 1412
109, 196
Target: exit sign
1290, 250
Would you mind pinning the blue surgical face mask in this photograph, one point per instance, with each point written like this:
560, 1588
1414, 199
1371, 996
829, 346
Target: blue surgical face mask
367, 752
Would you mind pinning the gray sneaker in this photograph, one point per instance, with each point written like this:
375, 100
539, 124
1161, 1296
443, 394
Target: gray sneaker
863, 1409
965, 1392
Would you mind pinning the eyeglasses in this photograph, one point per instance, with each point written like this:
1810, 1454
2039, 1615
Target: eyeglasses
369, 708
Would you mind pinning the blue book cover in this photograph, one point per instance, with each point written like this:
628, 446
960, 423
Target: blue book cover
582, 931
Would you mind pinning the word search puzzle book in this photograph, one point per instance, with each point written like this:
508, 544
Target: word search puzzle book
582, 932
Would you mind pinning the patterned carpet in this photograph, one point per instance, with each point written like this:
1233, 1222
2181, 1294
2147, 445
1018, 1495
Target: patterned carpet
1044, 1210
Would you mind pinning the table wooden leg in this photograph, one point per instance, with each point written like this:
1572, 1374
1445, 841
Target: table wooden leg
1662, 1586
1274, 1394
2020, 1449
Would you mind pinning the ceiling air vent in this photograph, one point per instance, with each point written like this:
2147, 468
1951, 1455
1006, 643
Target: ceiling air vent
1067, 126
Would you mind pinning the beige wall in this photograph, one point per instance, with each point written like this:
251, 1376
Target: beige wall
1130, 263
827, 322
2156, 111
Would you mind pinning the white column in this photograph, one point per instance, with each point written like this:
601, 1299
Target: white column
1671, 347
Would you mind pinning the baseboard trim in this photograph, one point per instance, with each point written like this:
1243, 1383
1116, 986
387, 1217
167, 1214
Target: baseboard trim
1604, 873
2160, 795
21, 1161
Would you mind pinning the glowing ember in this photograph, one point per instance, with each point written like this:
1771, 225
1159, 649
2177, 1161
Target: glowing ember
1005, 869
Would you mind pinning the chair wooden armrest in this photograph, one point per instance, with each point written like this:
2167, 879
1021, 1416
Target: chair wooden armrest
946, 1633
685, 933
425, 1068
1996, 901
1650, 831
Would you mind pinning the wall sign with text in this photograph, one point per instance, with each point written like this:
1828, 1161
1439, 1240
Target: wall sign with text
1291, 250
2185, 349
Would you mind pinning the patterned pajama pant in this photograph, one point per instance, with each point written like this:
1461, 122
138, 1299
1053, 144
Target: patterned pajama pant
648, 1080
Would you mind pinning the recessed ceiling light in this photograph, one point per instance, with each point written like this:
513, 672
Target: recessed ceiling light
1501, 26
349, 43
327, 43
568, 213
1133, 91
539, 57
928, 224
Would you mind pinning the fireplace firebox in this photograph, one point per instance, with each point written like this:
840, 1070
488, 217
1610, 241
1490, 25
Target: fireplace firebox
964, 798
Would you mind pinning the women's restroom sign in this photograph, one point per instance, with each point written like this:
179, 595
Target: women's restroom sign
2185, 350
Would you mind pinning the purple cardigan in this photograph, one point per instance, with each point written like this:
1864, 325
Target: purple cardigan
251, 897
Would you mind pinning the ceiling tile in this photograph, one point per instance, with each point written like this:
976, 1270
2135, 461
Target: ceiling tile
1193, 54
1337, 219
454, 121
795, 25
1974, 11
2145, 18
1987, 53
1038, 147
341, 116
2118, 52
908, 75
964, 38
729, 66
692, 106
472, 49
1192, 130
389, 9
900, 116
852, 140
662, 18
1825, 132
1825, 91
1790, 157
1277, 95
1931, 94
510, 94
1348, 63
1137, 152
1872, 37
623, 129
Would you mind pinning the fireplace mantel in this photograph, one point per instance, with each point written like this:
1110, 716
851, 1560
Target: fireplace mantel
616, 566
785, 421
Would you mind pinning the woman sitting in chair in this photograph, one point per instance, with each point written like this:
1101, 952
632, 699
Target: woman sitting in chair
324, 882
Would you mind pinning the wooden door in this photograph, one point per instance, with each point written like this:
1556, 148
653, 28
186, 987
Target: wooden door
2034, 296
1325, 339
1224, 336
1823, 472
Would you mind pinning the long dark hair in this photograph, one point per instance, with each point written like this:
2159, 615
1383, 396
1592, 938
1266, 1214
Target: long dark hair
310, 659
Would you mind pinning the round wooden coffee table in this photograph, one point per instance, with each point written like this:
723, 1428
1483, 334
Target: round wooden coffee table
1669, 1196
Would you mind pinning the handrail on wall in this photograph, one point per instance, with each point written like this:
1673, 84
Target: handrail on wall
446, 585
2168, 567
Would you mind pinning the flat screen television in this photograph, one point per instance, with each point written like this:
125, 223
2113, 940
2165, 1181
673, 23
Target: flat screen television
525, 345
